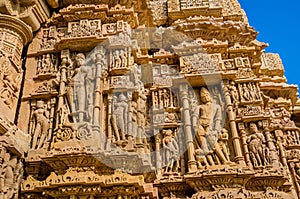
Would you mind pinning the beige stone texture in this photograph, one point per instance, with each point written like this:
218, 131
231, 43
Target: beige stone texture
142, 99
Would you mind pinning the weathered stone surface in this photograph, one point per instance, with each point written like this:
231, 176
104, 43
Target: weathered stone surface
142, 99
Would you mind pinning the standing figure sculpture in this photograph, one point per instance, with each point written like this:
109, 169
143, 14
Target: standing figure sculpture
209, 122
171, 151
259, 152
40, 132
208, 130
223, 139
84, 88
166, 98
133, 119
234, 93
123, 57
117, 59
120, 117
246, 93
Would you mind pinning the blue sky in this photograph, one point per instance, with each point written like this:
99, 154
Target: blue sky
278, 25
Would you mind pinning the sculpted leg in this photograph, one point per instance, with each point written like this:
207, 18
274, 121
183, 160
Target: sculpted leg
36, 135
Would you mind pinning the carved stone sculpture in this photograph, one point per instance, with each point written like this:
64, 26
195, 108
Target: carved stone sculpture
120, 115
41, 125
259, 152
11, 173
209, 122
84, 89
117, 109
171, 151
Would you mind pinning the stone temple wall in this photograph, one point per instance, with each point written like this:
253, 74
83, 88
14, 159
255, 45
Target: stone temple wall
142, 99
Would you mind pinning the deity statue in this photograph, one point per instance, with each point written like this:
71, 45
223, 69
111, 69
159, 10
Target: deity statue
40, 132
209, 130
209, 122
84, 88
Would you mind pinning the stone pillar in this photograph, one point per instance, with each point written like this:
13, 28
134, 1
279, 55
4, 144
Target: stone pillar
192, 165
14, 35
245, 145
270, 143
63, 80
109, 126
97, 105
239, 158
158, 149
279, 137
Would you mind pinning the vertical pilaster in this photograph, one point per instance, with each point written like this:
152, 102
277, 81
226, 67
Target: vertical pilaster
14, 35
270, 143
98, 103
279, 138
192, 165
239, 158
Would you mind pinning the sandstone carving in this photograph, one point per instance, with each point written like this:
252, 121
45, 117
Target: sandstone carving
142, 99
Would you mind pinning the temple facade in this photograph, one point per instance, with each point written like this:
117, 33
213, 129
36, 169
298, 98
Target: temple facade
142, 99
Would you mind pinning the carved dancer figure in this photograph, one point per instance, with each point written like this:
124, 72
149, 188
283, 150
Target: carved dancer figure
41, 125
171, 151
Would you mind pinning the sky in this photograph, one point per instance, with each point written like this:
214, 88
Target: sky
278, 24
